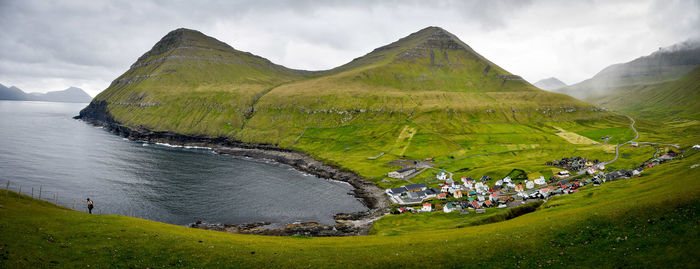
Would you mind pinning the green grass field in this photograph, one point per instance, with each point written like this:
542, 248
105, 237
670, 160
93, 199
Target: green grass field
650, 221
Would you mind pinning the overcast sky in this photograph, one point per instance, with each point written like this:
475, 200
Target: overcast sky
51, 45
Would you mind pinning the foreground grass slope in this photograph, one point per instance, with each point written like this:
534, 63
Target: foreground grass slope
649, 221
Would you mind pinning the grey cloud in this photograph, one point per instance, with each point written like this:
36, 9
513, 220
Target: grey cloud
55, 43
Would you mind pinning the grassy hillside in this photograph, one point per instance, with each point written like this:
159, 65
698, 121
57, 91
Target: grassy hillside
671, 99
193, 84
651, 221
426, 95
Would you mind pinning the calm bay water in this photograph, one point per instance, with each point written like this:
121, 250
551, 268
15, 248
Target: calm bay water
40, 144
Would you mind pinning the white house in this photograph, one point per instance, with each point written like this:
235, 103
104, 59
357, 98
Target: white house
402, 173
427, 207
449, 207
507, 180
563, 174
540, 181
529, 184
442, 175
479, 186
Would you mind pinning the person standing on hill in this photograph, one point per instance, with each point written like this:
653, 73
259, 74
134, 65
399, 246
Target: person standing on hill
90, 205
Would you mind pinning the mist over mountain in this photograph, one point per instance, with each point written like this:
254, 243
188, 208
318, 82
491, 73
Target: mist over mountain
70, 95
549, 84
666, 64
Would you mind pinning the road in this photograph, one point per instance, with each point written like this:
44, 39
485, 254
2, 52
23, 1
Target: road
617, 149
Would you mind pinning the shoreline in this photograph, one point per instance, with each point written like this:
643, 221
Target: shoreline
356, 223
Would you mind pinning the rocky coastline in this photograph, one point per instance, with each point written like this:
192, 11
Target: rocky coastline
357, 223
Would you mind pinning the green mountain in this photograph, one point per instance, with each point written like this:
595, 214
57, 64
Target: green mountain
666, 64
664, 100
426, 95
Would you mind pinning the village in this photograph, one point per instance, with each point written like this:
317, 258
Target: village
470, 195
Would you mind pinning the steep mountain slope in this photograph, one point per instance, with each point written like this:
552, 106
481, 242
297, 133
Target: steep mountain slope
425, 95
549, 84
428, 76
190, 83
666, 64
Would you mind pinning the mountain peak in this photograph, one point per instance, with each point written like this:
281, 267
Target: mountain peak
433, 37
184, 38
549, 84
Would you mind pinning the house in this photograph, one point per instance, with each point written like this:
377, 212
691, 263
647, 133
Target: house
416, 187
591, 171
457, 194
530, 184
442, 196
696, 147
449, 207
402, 173
429, 159
485, 178
601, 167
396, 191
487, 203
540, 181
493, 196
519, 187
474, 204
427, 207
637, 171
507, 179
634, 144
563, 174
442, 175
430, 193
481, 198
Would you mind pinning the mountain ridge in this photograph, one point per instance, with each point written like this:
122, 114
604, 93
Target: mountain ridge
70, 95
429, 85
665, 64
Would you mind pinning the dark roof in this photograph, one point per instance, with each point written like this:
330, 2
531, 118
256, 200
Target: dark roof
406, 169
398, 190
415, 186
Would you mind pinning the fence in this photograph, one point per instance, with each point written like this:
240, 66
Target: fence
40, 193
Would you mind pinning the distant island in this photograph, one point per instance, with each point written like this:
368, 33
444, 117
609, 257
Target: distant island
70, 95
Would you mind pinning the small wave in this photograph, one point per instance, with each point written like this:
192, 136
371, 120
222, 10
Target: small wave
168, 145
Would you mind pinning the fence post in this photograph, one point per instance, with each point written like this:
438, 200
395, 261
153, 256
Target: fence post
7, 189
20, 190
55, 195
40, 192
74, 204
100, 211
32, 192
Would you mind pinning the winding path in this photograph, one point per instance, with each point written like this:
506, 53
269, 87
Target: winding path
617, 149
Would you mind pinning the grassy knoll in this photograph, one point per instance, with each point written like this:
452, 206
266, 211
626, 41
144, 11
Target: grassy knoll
649, 221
